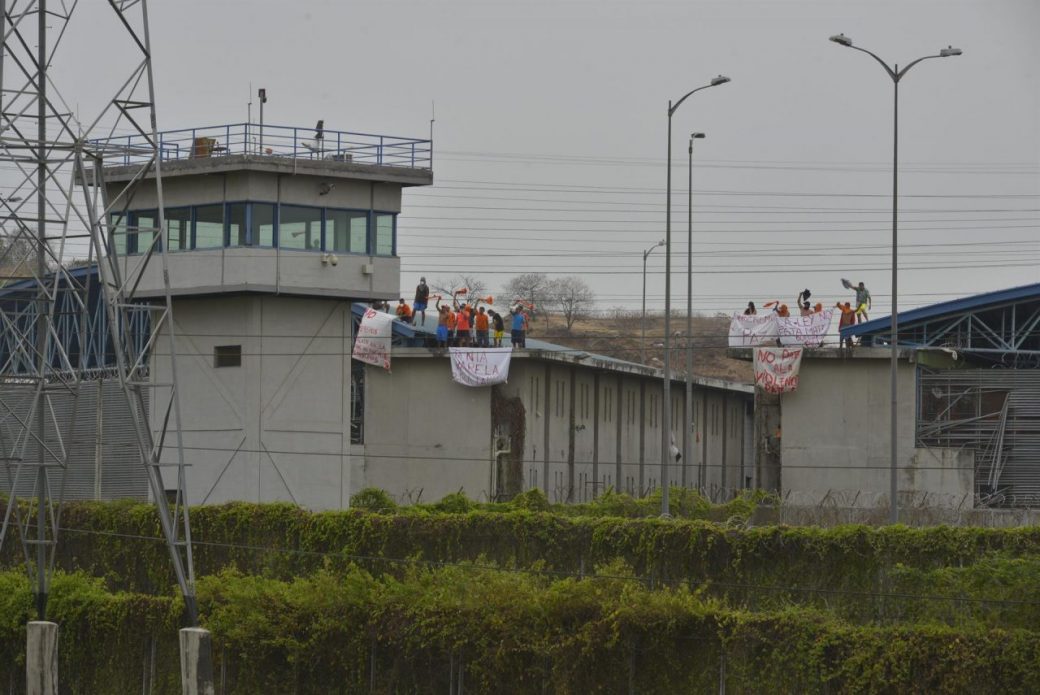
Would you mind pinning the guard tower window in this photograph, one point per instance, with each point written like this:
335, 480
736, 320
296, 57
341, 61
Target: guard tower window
384, 234
299, 227
262, 225
117, 225
227, 356
144, 223
346, 231
178, 226
238, 234
209, 226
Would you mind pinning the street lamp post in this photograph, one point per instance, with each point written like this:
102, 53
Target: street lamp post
687, 444
642, 345
666, 406
896, 74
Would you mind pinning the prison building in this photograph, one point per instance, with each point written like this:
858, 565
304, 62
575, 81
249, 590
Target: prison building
968, 402
568, 422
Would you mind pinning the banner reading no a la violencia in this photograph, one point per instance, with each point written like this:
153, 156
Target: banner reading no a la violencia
776, 369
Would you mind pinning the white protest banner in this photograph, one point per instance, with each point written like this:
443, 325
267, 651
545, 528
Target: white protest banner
372, 344
776, 369
480, 366
749, 331
804, 331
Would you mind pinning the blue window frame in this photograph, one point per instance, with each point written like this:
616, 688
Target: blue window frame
262, 223
300, 227
236, 221
117, 228
346, 231
178, 229
384, 233
209, 226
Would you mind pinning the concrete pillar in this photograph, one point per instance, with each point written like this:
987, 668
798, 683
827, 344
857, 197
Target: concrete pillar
41, 658
196, 662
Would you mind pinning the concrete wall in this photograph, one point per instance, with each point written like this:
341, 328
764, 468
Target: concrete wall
425, 435
835, 438
277, 427
589, 430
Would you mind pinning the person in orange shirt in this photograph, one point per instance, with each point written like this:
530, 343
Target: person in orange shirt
480, 322
404, 313
462, 326
848, 318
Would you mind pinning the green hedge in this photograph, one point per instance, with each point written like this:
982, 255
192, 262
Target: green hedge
504, 632
859, 572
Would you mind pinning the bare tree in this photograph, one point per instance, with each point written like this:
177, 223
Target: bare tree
572, 298
475, 287
534, 288
17, 258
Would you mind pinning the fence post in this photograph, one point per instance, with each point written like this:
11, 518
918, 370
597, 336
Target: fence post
196, 662
41, 658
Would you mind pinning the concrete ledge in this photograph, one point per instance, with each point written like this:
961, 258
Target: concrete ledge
325, 168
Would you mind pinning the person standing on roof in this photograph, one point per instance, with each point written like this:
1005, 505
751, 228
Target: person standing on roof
848, 318
750, 311
804, 308
862, 303
442, 324
480, 323
519, 332
422, 298
499, 327
462, 326
447, 319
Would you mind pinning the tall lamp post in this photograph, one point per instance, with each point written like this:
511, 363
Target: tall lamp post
896, 74
666, 406
642, 345
687, 444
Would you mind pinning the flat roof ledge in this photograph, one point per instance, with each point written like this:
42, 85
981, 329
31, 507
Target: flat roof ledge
325, 168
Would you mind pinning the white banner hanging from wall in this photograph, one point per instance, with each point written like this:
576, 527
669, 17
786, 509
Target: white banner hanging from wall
372, 344
776, 368
749, 331
804, 331
480, 366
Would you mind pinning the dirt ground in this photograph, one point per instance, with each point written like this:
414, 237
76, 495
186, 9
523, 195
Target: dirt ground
618, 336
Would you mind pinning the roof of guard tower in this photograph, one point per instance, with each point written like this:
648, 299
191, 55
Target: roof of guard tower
276, 149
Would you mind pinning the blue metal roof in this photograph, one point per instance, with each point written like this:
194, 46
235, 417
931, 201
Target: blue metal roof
948, 308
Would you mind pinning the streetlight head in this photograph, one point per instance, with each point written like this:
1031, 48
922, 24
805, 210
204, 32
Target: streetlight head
842, 39
661, 242
949, 51
721, 79
696, 136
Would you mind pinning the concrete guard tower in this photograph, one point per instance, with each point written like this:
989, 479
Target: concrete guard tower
271, 234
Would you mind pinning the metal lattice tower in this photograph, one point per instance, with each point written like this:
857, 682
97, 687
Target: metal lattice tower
58, 207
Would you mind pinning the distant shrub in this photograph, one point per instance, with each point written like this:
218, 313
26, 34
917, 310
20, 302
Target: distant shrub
454, 503
533, 500
372, 499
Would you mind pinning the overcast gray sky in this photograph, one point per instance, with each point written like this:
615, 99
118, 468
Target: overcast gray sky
551, 123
